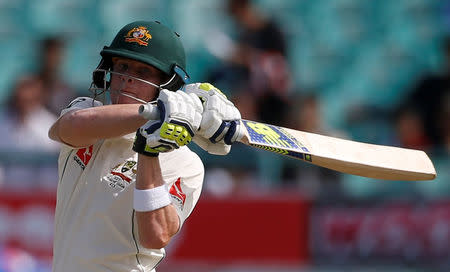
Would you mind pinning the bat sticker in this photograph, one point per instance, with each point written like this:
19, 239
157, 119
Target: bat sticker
275, 139
298, 155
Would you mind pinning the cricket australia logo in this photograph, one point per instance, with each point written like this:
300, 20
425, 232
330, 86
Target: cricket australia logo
121, 175
177, 193
138, 35
127, 166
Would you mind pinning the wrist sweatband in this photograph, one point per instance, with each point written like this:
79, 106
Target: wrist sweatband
151, 199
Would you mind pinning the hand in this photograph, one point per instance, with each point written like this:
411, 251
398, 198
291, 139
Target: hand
180, 117
219, 127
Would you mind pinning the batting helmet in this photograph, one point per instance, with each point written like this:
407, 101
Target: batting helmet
148, 42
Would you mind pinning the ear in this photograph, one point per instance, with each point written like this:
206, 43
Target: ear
178, 80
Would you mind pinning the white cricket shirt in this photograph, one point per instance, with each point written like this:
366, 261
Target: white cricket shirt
95, 224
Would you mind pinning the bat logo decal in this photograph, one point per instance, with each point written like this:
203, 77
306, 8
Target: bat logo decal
275, 139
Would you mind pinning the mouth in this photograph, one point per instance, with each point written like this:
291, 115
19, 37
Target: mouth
130, 95
126, 92
119, 93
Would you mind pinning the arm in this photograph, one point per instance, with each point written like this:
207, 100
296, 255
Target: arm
84, 127
157, 218
157, 227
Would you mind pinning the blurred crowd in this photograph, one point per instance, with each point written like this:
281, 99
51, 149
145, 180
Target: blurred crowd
253, 67
34, 102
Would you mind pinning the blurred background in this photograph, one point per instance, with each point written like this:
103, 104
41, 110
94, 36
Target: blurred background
371, 71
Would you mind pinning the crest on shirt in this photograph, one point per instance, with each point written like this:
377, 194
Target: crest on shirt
177, 193
127, 166
121, 175
83, 156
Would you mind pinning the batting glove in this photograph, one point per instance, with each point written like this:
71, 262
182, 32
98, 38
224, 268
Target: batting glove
180, 117
219, 127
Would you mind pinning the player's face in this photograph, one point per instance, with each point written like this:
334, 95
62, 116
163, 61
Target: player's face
127, 84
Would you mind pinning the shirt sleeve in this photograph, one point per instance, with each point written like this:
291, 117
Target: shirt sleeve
81, 103
77, 104
185, 190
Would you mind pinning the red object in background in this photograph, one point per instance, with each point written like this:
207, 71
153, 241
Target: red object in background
243, 229
266, 230
270, 229
391, 231
26, 221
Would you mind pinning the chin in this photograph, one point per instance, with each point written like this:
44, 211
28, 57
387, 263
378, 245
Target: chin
126, 100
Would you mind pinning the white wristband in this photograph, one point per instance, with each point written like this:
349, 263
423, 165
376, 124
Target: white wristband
151, 199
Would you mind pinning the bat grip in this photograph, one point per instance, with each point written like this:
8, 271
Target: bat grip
241, 131
149, 111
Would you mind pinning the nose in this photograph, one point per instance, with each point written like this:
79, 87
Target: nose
126, 79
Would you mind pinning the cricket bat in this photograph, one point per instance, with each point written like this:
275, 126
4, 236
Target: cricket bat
346, 156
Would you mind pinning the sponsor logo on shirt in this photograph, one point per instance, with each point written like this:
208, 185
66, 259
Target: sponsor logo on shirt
177, 193
83, 156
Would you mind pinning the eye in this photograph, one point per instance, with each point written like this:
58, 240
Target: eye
144, 72
120, 67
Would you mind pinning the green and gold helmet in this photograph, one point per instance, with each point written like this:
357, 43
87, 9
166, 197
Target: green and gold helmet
148, 42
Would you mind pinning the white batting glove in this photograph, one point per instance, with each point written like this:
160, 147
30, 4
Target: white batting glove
219, 127
180, 117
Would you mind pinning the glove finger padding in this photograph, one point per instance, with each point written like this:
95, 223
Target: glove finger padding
180, 115
220, 118
182, 107
219, 115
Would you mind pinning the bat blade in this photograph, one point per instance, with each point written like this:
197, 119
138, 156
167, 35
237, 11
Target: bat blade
351, 157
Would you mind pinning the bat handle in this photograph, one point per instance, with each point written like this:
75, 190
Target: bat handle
151, 112
242, 131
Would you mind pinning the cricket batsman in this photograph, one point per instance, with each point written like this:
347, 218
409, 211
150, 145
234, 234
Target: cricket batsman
127, 184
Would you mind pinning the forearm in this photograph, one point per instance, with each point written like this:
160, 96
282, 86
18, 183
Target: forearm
86, 126
155, 227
